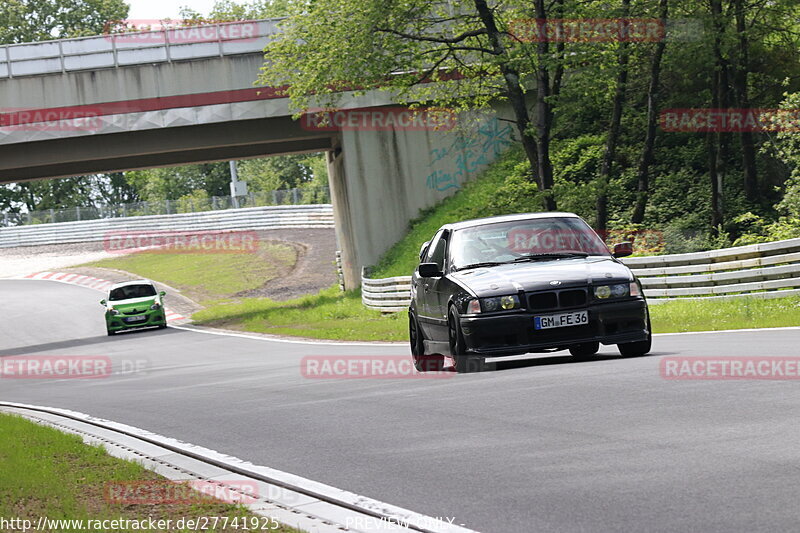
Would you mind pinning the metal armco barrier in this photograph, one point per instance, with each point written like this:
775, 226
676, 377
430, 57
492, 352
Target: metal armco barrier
251, 218
767, 270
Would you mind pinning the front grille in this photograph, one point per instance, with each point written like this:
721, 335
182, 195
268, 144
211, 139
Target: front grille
543, 300
134, 312
552, 300
572, 298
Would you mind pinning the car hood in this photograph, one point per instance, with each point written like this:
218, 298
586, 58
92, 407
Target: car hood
133, 303
537, 275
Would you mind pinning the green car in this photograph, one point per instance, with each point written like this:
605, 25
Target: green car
134, 304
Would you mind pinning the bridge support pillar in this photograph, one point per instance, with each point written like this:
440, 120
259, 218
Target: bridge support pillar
381, 178
343, 217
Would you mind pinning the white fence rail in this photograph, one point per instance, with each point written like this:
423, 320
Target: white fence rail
121, 49
768, 270
252, 218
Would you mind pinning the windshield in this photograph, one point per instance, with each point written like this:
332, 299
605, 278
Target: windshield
132, 291
505, 242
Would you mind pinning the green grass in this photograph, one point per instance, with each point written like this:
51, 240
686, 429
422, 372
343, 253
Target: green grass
332, 314
329, 314
738, 313
208, 276
214, 280
44, 472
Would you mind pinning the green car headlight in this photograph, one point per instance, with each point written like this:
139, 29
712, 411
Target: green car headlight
506, 303
113, 311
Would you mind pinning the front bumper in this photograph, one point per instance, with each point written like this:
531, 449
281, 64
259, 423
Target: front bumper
155, 317
514, 333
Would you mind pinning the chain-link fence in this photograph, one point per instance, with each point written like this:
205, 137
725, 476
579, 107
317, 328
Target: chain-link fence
300, 196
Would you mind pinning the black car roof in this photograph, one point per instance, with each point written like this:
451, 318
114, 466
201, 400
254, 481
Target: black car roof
505, 218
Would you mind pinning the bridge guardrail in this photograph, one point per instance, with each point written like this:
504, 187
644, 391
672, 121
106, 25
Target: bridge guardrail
249, 218
766, 270
135, 48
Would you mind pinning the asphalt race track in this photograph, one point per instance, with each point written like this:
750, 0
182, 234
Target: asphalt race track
541, 445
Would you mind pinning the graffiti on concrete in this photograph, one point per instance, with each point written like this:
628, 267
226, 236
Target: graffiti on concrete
467, 154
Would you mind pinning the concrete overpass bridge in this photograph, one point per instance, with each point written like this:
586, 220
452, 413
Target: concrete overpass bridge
180, 96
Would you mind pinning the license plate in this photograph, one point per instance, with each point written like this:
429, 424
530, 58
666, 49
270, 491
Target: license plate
135, 318
575, 318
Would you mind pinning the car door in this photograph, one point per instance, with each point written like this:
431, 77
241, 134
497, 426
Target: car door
424, 296
436, 290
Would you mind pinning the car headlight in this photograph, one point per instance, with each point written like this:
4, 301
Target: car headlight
618, 290
496, 303
155, 306
113, 311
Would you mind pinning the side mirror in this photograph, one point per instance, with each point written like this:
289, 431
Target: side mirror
623, 249
162, 293
423, 249
102, 302
429, 270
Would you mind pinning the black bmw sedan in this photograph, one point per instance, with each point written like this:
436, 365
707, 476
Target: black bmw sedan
517, 284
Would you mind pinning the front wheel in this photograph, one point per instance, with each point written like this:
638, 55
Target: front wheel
109, 332
458, 349
422, 362
637, 349
585, 350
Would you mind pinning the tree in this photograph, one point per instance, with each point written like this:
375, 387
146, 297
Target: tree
613, 128
463, 56
42, 20
646, 160
226, 10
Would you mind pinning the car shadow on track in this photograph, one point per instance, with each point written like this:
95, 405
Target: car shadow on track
85, 341
557, 359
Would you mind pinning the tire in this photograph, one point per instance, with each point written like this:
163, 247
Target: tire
640, 348
109, 332
422, 362
162, 326
458, 349
585, 350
